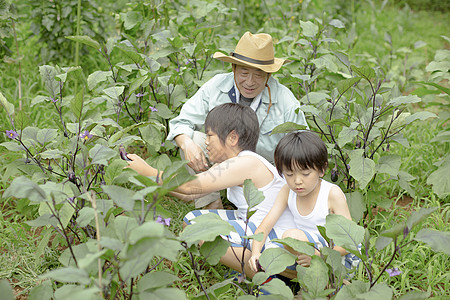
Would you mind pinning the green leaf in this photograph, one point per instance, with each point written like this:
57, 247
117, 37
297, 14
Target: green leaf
163, 111
46, 135
8, 106
346, 84
148, 229
353, 290
164, 294
394, 231
122, 197
100, 154
297, 245
76, 105
389, 164
114, 92
6, 290
147, 248
415, 295
365, 72
130, 52
136, 83
152, 135
48, 74
418, 216
21, 120
440, 179
346, 135
206, 228
214, 250
131, 19
287, 127
309, 29
344, 232
421, 115
275, 260
397, 101
337, 23
43, 291
123, 225
252, 195
437, 240
86, 40
382, 242
85, 216
74, 292
114, 171
118, 135
156, 279
334, 259
314, 277
98, 76
377, 292
22, 187
52, 154
362, 169
356, 205
68, 274
440, 87
278, 289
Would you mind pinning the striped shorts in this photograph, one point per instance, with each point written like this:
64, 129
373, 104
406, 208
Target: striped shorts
241, 226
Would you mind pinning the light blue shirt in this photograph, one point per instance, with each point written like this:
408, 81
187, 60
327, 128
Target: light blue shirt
219, 90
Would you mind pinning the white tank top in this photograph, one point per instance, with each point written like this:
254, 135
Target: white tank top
236, 195
318, 214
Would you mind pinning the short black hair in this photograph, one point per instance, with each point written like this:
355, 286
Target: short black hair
225, 118
301, 149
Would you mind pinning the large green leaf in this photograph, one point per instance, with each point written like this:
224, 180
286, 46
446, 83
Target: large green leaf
287, 127
421, 115
148, 229
156, 279
84, 39
344, 232
309, 29
123, 226
46, 135
377, 292
100, 154
440, 179
418, 216
118, 135
5, 290
21, 120
68, 274
76, 105
356, 205
361, 168
277, 289
437, 240
75, 292
98, 76
275, 260
122, 197
297, 245
252, 195
150, 247
353, 290
164, 294
22, 187
206, 228
397, 101
214, 250
346, 84
346, 135
389, 164
9, 107
365, 72
43, 291
48, 74
314, 277
415, 295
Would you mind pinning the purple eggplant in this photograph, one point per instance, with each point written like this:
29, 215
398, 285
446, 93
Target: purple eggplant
123, 153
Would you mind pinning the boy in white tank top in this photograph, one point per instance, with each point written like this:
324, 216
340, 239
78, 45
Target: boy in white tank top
302, 158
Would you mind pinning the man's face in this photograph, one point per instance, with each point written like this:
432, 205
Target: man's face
250, 81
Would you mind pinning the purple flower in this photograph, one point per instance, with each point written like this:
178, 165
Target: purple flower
86, 135
153, 108
393, 272
163, 144
178, 69
188, 61
71, 199
163, 221
54, 100
139, 95
12, 134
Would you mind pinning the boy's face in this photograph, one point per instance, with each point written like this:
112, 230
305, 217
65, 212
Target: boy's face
250, 81
304, 182
215, 148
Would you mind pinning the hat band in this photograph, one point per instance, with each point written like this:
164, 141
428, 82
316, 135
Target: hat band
251, 60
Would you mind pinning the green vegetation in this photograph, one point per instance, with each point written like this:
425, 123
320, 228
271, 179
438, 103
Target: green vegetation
373, 79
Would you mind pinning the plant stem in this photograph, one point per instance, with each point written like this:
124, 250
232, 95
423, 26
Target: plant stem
20, 65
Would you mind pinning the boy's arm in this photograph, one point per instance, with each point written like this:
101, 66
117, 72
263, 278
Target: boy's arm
337, 204
267, 224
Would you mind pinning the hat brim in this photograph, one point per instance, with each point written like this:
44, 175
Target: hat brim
278, 62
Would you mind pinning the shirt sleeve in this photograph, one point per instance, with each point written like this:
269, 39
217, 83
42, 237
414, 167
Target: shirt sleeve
192, 115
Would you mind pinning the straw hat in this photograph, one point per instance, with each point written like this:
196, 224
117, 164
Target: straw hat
254, 50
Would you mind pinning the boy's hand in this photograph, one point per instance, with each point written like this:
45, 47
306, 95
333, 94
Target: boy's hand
254, 262
304, 260
140, 166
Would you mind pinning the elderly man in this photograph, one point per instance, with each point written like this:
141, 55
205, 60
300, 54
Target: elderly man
249, 84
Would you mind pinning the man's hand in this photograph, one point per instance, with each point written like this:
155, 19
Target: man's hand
192, 153
304, 260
